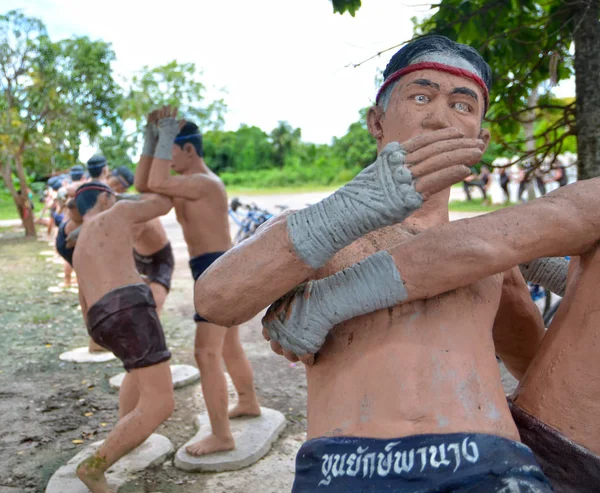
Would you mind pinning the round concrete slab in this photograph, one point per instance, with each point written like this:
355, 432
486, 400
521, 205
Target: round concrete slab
253, 439
182, 375
150, 453
83, 355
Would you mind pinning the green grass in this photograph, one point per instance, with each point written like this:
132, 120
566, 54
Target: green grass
475, 205
7, 206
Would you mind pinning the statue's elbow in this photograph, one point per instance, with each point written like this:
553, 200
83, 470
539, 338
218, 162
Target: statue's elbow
213, 305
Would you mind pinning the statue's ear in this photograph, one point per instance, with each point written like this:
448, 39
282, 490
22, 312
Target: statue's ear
374, 118
189, 148
484, 134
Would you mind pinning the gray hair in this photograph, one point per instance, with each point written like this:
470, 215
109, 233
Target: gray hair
386, 96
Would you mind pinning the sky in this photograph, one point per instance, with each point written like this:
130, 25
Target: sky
276, 59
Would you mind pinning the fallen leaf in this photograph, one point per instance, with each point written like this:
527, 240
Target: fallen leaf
87, 415
90, 387
77, 441
102, 424
48, 345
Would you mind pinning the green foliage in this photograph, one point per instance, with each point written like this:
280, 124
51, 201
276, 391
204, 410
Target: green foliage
171, 84
246, 149
357, 147
54, 91
527, 45
350, 6
116, 148
251, 158
285, 141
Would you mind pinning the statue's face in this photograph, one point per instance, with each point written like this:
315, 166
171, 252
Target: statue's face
181, 158
115, 184
428, 100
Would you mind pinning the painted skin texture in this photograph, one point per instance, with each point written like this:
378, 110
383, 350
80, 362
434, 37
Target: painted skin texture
146, 396
424, 367
201, 208
150, 238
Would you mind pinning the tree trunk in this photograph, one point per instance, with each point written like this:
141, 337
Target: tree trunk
27, 212
587, 87
530, 140
21, 200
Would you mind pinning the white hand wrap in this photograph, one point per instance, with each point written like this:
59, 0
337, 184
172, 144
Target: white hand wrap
381, 195
168, 128
301, 320
549, 272
150, 137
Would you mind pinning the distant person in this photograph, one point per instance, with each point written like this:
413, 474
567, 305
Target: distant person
524, 179
485, 178
474, 181
120, 314
540, 182
97, 168
201, 206
504, 181
560, 175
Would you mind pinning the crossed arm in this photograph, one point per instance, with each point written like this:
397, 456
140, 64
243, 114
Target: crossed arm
146, 207
153, 171
566, 222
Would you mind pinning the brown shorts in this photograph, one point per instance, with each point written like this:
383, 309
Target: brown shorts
568, 466
125, 322
158, 267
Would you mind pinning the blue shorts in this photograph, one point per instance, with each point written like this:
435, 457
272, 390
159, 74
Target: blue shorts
198, 265
58, 218
61, 244
458, 462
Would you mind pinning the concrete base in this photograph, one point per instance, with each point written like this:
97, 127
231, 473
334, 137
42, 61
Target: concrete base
83, 355
253, 439
182, 375
150, 453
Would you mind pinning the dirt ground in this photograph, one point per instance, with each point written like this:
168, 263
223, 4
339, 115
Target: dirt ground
51, 409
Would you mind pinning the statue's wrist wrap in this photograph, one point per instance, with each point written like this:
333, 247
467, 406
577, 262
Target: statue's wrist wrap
548, 272
301, 320
381, 195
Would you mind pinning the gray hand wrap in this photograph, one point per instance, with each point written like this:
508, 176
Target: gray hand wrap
150, 138
381, 195
301, 320
549, 272
168, 128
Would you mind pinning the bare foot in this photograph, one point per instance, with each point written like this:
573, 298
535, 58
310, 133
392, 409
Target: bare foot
209, 445
93, 478
244, 409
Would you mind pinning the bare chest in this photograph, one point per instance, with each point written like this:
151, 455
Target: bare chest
480, 298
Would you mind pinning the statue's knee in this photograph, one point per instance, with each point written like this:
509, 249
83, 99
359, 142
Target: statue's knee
207, 356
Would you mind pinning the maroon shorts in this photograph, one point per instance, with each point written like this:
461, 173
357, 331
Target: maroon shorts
125, 322
568, 466
158, 267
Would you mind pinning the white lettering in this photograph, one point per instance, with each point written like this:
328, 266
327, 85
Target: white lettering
423, 452
443, 461
455, 447
471, 458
